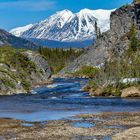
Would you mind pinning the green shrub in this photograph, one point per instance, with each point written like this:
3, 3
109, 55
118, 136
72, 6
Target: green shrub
7, 82
15, 59
91, 85
88, 71
134, 42
25, 84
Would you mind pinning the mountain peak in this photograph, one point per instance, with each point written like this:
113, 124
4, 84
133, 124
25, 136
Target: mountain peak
85, 10
65, 12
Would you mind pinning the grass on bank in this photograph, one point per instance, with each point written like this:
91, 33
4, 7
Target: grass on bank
87, 71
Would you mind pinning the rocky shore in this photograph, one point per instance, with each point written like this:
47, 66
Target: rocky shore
67, 76
131, 91
116, 126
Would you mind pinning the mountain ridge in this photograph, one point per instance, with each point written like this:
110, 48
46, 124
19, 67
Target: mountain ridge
67, 26
7, 39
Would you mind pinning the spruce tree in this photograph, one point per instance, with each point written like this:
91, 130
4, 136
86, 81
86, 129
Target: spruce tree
96, 28
134, 42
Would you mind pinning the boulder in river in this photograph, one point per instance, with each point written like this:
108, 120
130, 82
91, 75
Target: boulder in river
131, 92
97, 92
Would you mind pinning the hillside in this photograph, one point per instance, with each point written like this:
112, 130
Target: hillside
20, 70
116, 40
113, 61
11, 40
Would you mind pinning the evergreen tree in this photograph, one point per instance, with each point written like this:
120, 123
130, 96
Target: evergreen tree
96, 28
40, 50
134, 42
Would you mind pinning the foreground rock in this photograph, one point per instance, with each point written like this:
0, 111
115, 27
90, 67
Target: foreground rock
97, 92
131, 92
130, 134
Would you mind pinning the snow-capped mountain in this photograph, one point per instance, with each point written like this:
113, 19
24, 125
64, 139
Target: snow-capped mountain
66, 26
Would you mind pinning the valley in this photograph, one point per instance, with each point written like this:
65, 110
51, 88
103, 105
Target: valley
72, 76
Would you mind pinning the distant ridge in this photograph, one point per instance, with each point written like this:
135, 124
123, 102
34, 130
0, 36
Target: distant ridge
7, 39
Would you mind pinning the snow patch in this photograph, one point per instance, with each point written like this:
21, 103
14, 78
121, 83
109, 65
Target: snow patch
130, 80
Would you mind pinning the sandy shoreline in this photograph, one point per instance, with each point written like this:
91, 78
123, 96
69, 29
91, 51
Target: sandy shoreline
104, 126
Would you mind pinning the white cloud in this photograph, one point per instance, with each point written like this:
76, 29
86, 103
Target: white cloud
36, 5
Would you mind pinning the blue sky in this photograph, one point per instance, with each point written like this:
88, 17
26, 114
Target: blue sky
15, 13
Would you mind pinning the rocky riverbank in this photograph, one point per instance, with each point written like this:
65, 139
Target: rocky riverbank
20, 70
90, 126
127, 87
131, 91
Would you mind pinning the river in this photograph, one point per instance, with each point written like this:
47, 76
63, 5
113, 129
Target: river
60, 100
